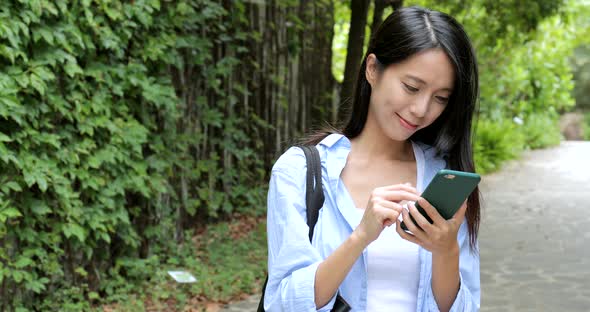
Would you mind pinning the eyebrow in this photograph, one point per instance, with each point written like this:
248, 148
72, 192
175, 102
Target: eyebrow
424, 82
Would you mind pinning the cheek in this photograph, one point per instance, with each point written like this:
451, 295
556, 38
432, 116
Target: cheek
391, 98
379, 99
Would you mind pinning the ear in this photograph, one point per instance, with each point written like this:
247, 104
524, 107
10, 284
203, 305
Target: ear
372, 70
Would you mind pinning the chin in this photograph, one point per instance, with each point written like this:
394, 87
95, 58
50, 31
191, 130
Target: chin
397, 135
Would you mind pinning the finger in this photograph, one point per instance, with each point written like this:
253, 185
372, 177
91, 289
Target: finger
399, 196
391, 205
405, 235
419, 218
404, 187
460, 214
431, 211
389, 216
416, 231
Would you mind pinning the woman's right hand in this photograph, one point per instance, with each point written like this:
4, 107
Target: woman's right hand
383, 209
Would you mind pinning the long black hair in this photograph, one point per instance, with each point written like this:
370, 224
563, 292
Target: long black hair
408, 31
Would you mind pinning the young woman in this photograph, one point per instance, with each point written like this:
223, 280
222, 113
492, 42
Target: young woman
411, 116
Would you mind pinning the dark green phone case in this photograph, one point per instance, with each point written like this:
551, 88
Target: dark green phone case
447, 191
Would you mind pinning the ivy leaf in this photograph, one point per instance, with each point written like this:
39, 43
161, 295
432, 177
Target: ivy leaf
40, 208
75, 230
105, 236
4, 138
42, 182
17, 276
71, 68
44, 73
37, 286
12, 185
213, 117
23, 262
38, 84
44, 33
9, 211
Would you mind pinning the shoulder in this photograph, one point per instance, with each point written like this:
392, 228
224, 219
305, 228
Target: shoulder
292, 160
294, 157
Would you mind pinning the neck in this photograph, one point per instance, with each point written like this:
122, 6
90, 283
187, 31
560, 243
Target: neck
373, 145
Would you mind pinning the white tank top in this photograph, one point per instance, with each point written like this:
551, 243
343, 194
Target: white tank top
393, 265
393, 273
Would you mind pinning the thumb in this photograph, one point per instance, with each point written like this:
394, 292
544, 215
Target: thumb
390, 217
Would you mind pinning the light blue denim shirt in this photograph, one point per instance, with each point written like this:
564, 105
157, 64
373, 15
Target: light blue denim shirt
293, 260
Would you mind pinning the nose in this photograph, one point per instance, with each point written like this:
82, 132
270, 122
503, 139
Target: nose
420, 106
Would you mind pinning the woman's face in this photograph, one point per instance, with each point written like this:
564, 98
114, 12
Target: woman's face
410, 95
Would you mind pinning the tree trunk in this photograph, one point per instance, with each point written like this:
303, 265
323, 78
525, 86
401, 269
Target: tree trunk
292, 83
380, 6
378, 15
354, 49
285, 68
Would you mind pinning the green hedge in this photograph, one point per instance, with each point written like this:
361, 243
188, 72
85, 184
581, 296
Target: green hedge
495, 143
524, 77
81, 152
100, 161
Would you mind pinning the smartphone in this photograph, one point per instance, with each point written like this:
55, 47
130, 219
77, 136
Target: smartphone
446, 192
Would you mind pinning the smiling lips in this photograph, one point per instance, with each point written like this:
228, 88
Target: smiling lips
406, 124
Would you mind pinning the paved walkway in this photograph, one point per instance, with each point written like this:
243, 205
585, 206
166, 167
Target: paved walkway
535, 234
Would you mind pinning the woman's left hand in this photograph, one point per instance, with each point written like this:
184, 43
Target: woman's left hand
440, 237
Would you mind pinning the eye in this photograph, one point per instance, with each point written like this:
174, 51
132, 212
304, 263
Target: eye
410, 88
442, 99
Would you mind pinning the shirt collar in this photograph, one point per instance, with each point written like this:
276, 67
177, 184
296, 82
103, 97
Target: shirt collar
338, 147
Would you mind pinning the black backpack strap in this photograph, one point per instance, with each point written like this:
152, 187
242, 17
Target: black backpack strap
314, 197
314, 193
261, 303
